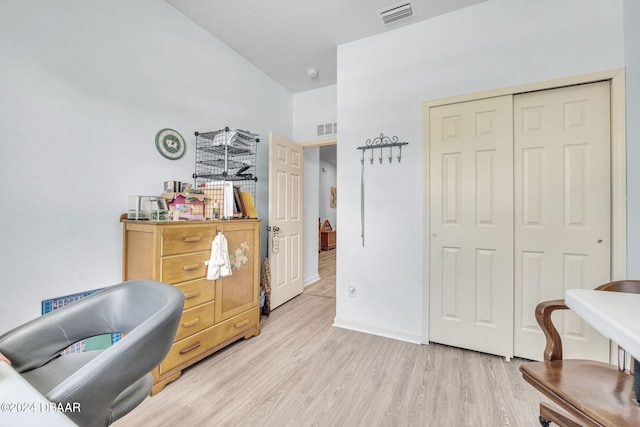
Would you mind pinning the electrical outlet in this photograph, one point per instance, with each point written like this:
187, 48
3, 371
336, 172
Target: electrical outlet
353, 291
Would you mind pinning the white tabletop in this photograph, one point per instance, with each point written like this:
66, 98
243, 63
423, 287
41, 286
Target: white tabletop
23, 405
616, 315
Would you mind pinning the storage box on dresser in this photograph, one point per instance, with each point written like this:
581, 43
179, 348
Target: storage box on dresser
216, 313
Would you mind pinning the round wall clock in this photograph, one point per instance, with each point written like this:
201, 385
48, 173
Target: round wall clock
170, 144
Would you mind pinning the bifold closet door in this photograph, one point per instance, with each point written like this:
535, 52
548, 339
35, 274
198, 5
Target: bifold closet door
562, 208
471, 225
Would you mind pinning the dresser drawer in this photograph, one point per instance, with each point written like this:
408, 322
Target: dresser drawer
179, 240
196, 345
195, 319
180, 268
197, 292
184, 350
239, 324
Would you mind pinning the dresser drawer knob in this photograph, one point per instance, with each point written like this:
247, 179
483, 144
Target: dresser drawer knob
191, 323
191, 295
192, 239
188, 349
241, 324
191, 267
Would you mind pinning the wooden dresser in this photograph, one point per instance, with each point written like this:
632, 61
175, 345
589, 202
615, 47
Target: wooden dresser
216, 313
328, 240
327, 236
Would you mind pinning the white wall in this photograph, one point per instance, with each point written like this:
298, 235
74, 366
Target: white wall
494, 44
85, 86
632, 62
328, 179
312, 108
311, 213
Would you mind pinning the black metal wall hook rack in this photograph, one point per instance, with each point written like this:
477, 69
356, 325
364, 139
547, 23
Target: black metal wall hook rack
381, 143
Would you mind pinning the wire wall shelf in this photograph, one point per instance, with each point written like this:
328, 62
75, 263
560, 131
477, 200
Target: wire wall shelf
223, 156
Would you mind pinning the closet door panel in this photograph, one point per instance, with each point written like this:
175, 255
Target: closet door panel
471, 248
562, 210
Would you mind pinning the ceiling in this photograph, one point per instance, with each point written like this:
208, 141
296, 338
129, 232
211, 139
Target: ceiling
284, 38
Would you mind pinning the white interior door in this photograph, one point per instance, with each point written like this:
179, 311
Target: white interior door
471, 224
286, 219
563, 205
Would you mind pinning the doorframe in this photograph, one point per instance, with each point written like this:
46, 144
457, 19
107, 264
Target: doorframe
320, 142
616, 77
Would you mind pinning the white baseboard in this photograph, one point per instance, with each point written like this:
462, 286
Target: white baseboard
377, 330
311, 280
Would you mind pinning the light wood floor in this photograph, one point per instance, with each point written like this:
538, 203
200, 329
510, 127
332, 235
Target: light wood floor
302, 371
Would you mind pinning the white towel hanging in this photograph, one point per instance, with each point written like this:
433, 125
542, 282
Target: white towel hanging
218, 264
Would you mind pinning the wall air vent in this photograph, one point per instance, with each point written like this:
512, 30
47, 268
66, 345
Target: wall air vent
396, 12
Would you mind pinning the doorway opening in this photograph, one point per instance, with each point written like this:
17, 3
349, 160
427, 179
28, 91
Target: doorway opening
320, 198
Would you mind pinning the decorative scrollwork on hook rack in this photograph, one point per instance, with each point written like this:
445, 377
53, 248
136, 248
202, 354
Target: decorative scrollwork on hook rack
383, 141
378, 143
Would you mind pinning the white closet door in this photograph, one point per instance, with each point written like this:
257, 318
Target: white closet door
562, 210
471, 224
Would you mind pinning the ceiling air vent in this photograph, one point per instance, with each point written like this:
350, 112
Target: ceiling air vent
396, 12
